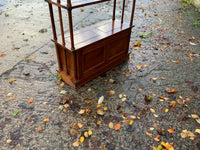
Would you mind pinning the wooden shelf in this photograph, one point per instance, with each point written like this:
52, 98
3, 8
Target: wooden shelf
94, 33
75, 3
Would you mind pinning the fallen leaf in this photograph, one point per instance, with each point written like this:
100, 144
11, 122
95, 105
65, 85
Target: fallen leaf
46, 120
157, 138
80, 125
171, 130
154, 79
111, 125
117, 127
120, 95
139, 66
29, 117
98, 106
82, 139
130, 122
90, 132
100, 112
194, 116
2, 55
30, 100
155, 115
151, 129
39, 128
149, 134
11, 98
123, 99
146, 35
166, 110
98, 122
100, 99
184, 134
63, 92
82, 111
9, 94
172, 104
105, 108
198, 120
170, 91
85, 134
88, 111
139, 90
112, 92
8, 141
76, 144
197, 131
104, 147
152, 110
12, 80
132, 117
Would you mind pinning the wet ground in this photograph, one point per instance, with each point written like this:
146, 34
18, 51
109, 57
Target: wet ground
168, 59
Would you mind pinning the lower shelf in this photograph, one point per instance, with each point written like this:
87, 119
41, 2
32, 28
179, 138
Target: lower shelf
94, 55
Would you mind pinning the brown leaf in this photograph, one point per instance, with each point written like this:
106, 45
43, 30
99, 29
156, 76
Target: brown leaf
100, 112
171, 130
2, 55
112, 92
170, 91
139, 66
80, 125
98, 122
184, 134
30, 100
172, 104
39, 128
139, 90
12, 80
88, 101
194, 116
98, 106
46, 120
157, 138
117, 127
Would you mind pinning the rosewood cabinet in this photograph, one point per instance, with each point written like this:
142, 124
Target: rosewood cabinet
85, 54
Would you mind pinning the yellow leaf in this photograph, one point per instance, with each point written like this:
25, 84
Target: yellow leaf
105, 108
151, 129
130, 122
166, 110
152, 110
184, 134
197, 131
8, 141
133, 117
117, 127
82, 139
86, 134
12, 80
90, 132
111, 125
9, 94
120, 95
32, 57
100, 112
123, 99
155, 115
76, 144
154, 79
194, 116
149, 134
46, 120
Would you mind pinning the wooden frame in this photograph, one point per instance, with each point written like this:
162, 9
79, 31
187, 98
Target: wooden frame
85, 54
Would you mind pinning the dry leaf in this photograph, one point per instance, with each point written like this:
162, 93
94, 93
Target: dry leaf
88, 101
157, 138
85, 134
139, 66
194, 116
98, 106
155, 115
184, 134
104, 147
172, 104
171, 130
46, 120
11, 98
111, 92
170, 91
197, 131
100, 112
105, 108
76, 144
149, 134
39, 128
29, 117
82, 111
152, 110
117, 127
99, 122
123, 99
12, 80
110, 125
133, 117
80, 125
30, 100
139, 90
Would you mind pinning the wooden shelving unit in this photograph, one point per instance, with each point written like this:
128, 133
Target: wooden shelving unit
85, 54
